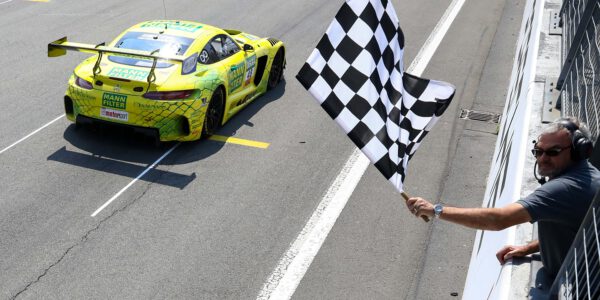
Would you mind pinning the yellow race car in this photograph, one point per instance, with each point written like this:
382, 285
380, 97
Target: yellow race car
172, 80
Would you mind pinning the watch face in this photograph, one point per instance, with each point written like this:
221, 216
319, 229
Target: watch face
437, 209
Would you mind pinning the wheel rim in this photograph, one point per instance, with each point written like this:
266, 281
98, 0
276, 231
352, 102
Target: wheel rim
213, 115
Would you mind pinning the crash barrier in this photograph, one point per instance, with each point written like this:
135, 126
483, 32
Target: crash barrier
486, 278
579, 80
579, 276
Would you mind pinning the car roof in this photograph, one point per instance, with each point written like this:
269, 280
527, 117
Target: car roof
188, 29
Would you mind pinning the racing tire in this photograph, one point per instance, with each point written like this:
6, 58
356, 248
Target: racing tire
276, 72
214, 113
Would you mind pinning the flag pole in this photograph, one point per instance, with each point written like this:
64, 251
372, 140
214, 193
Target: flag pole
405, 196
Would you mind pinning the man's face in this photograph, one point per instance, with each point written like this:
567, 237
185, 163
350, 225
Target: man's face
552, 166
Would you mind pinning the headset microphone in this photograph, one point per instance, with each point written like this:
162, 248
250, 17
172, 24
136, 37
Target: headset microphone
541, 180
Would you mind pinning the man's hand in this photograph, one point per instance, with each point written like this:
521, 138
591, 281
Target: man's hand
510, 251
420, 207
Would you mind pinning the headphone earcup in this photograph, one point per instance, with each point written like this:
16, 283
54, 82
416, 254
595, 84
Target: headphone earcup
581, 146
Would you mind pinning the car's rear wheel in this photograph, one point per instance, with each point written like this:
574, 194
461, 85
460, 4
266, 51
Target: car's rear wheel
276, 72
214, 113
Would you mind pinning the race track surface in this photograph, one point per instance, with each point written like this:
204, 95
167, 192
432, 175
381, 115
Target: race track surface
212, 219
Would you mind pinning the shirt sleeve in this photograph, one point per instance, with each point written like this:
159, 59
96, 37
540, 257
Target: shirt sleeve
549, 202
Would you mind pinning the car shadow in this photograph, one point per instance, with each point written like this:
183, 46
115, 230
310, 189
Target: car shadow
128, 154
196, 150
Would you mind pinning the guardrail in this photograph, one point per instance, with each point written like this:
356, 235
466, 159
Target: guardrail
579, 83
579, 80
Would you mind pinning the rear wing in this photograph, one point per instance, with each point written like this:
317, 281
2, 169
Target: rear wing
60, 47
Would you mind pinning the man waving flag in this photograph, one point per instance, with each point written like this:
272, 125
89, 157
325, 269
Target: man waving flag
357, 75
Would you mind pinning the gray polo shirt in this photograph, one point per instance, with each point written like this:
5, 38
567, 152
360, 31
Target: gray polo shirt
559, 207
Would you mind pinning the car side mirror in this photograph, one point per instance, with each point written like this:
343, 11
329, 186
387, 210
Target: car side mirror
248, 47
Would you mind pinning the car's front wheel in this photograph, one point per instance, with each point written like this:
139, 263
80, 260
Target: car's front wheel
276, 72
214, 113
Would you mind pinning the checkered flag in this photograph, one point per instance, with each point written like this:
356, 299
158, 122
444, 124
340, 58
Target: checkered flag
357, 75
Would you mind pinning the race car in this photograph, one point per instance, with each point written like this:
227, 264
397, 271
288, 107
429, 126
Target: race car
171, 80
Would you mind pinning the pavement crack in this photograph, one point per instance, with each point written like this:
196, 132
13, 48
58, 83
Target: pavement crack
83, 239
45, 272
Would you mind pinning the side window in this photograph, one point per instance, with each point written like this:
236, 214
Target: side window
217, 44
217, 49
212, 52
208, 55
230, 47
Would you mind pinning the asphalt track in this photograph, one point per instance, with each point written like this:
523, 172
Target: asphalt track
212, 219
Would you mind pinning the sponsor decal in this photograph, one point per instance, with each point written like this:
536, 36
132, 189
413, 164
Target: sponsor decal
175, 25
114, 114
236, 76
128, 73
250, 37
84, 96
114, 100
251, 63
145, 106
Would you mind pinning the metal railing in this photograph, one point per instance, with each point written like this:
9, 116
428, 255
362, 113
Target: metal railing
579, 80
579, 84
579, 276
571, 15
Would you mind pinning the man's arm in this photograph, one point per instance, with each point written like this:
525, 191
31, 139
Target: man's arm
478, 218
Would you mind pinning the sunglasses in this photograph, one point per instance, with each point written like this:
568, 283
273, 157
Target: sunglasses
537, 152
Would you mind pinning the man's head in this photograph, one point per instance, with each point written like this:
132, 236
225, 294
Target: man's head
560, 145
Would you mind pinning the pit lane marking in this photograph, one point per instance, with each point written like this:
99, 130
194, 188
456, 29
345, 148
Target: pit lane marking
238, 141
34, 132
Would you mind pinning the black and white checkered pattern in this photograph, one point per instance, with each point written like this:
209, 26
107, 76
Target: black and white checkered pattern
356, 74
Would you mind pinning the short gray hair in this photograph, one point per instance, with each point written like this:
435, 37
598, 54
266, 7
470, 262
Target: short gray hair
557, 126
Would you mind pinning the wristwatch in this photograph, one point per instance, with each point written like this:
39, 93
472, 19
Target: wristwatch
437, 210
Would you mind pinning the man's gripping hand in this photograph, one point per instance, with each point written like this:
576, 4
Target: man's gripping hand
510, 251
420, 207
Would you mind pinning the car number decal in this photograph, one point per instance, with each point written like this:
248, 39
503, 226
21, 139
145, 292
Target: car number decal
251, 63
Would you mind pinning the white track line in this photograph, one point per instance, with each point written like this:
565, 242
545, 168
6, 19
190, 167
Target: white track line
292, 266
133, 181
34, 132
435, 38
6, 1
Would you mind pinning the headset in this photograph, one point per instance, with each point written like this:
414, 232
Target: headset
581, 144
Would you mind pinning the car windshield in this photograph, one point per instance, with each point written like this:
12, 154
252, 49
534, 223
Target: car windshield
165, 44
